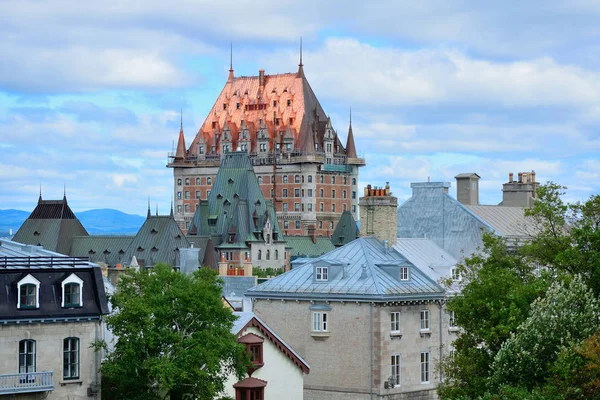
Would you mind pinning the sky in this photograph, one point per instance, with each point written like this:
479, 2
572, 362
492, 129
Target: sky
91, 92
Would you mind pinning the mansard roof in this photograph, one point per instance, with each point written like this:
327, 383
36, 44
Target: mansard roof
52, 224
362, 270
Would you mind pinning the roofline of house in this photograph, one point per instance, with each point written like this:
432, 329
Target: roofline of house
346, 297
49, 320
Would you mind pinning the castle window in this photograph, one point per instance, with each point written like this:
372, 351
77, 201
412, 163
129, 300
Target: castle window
260, 180
297, 179
259, 254
197, 194
297, 224
277, 254
224, 106
343, 194
268, 254
201, 150
72, 293
321, 178
29, 293
285, 179
187, 208
187, 181
209, 181
179, 208
354, 181
197, 181
179, 182
333, 180
289, 103
237, 106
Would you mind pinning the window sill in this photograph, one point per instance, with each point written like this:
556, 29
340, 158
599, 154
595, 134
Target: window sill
71, 382
453, 329
395, 335
320, 334
425, 333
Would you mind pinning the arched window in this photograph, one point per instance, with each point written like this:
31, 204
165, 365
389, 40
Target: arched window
310, 179
179, 182
197, 181
26, 360
333, 180
29, 293
354, 181
71, 358
187, 181
297, 179
277, 254
187, 208
260, 180
285, 179
259, 254
209, 181
268, 254
71, 291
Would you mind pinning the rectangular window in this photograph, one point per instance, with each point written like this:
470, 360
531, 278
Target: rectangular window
28, 296
395, 321
297, 224
26, 359
333, 208
333, 194
179, 195
71, 358
286, 224
321, 273
322, 193
72, 295
353, 209
187, 194
309, 192
285, 207
403, 273
455, 274
344, 194
320, 322
296, 192
296, 206
353, 194
425, 320
197, 194
284, 193
321, 207
396, 369
309, 206
452, 320
320, 224
425, 367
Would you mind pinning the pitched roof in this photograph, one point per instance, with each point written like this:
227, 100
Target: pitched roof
346, 230
466, 175
247, 319
427, 256
508, 221
350, 147
236, 208
303, 246
106, 249
52, 224
361, 270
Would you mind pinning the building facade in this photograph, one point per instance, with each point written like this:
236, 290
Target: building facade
366, 318
50, 317
298, 157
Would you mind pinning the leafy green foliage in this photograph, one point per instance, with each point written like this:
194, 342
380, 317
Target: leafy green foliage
174, 337
266, 272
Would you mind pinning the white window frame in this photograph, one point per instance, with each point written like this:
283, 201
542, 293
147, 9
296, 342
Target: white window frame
321, 274
29, 280
425, 370
425, 321
452, 320
72, 279
395, 322
320, 321
396, 368
404, 274
455, 274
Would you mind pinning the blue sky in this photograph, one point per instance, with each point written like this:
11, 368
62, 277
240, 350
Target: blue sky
90, 92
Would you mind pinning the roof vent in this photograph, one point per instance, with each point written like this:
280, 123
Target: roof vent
363, 274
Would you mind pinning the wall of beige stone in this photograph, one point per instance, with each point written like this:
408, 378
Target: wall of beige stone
384, 224
49, 355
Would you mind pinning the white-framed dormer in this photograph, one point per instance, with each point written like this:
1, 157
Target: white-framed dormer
72, 291
28, 293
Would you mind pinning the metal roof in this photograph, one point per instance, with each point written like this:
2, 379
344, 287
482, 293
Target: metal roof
508, 221
362, 266
303, 246
345, 231
427, 256
107, 249
14, 255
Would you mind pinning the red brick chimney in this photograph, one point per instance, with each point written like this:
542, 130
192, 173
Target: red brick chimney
261, 78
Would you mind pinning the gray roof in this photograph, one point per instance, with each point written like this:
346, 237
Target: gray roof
361, 270
508, 221
427, 256
466, 175
106, 249
303, 246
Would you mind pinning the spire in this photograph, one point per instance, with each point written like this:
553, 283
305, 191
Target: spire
148, 216
64, 192
171, 214
230, 78
40, 198
300, 73
157, 209
350, 147
180, 154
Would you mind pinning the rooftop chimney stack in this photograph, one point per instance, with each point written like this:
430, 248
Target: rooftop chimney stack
378, 214
261, 78
520, 193
467, 188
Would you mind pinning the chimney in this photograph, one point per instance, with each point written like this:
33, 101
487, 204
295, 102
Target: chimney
467, 188
311, 233
378, 214
520, 193
261, 78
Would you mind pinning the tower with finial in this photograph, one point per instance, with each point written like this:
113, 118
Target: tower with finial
278, 120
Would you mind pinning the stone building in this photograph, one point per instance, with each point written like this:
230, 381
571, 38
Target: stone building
368, 320
50, 315
299, 159
377, 208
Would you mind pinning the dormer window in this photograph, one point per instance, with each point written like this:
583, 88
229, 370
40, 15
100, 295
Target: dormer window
28, 293
153, 231
72, 291
321, 274
455, 274
403, 273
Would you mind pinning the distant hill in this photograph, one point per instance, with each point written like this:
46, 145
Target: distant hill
96, 222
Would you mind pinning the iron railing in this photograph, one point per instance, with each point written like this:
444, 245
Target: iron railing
28, 382
42, 262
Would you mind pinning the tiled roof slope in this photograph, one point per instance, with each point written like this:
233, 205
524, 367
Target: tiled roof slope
345, 231
236, 205
158, 240
303, 246
52, 224
361, 275
106, 249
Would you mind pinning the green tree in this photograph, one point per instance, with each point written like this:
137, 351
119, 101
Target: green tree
498, 287
545, 344
173, 335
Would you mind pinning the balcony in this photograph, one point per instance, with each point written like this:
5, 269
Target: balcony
26, 383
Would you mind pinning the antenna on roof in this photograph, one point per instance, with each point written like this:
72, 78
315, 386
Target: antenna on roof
171, 214
148, 207
40, 199
64, 190
300, 52
350, 115
300, 73
157, 209
181, 122
230, 78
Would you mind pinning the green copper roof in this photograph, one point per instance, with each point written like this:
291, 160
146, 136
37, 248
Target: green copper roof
345, 231
303, 246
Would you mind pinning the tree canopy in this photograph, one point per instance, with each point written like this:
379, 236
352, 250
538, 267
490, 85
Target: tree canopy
173, 335
529, 313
